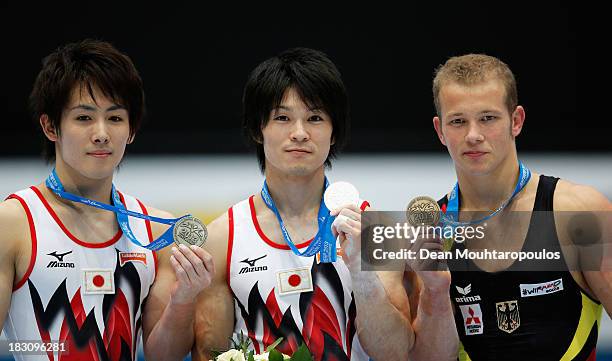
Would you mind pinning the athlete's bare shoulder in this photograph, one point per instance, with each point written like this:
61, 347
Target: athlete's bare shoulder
577, 197
14, 228
15, 239
218, 235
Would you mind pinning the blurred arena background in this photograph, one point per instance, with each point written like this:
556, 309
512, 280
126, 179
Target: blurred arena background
190, 155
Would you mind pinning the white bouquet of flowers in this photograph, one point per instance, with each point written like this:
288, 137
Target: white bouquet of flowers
240, 352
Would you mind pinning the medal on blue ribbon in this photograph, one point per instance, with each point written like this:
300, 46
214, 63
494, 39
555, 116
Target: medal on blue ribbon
186, 230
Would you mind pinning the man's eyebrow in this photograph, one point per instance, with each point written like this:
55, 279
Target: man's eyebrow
92, 108
84, 107
115, 107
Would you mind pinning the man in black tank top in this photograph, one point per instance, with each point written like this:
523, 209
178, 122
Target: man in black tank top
506, 309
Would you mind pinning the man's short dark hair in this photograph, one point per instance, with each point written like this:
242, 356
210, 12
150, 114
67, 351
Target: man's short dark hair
314, 77
87, 64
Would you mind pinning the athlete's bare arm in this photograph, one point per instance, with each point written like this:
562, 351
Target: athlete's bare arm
574, 197
16, 249
169, 310
214, 319
434, 325
386, 328
411, 322
383, 315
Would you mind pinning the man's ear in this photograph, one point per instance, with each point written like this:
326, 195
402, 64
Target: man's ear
257, 138
47, 127
518, 119
437, 123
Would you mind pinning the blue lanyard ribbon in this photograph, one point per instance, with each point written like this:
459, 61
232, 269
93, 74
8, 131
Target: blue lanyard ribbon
323, 242
451, 218
54, 184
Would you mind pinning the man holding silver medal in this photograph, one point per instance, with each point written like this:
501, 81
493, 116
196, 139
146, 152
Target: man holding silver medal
507, 309
284, 274
74, 271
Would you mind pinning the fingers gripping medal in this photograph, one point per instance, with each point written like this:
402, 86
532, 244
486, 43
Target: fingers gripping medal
337, 195
190, 231
424, 211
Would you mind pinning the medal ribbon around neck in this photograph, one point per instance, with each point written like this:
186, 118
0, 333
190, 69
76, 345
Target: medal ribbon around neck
323, 242
451, 217
54, 184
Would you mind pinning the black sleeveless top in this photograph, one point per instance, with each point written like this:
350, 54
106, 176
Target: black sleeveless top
524, 315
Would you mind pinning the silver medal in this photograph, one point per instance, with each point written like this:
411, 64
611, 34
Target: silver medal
339, 194
190, 231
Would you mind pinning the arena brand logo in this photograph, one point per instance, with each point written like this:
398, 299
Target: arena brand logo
60, 260
465, 298
251, 265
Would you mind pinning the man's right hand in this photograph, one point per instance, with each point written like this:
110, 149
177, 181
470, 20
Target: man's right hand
433, 272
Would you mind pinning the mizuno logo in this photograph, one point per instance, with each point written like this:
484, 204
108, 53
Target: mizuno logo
60, 257
60, 260
251, 263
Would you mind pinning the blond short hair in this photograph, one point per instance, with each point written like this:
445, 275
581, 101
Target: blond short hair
474, 69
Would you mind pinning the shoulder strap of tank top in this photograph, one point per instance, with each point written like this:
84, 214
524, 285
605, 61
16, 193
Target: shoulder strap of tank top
545, 193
